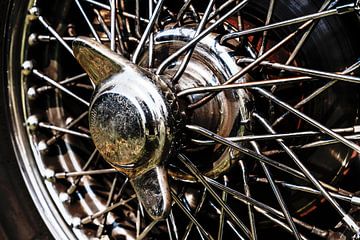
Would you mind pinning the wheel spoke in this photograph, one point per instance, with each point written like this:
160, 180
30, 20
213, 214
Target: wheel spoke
100, 229
350, 199
263, 208
87, 20
310, 72
265, 137
98, 214
277, 194
77, 180
222, 213
345, 217
348, 8
113, 24
248, 194
202, 180
190, 216
267, 22
63, 175
188, 55
63, 130
317, 92
243, 85
309, 120
59, 86
252, 65
147, 31
196, 212
195, 40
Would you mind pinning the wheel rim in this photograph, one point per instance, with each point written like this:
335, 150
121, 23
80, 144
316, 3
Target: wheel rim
87, 197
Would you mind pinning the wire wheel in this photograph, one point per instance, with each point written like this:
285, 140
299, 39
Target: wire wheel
188, 119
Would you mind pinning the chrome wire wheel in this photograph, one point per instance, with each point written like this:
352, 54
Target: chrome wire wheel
188, 119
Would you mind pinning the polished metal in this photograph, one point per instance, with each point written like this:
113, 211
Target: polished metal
59, 86
131, 122
345, 217
190, 216
310, 72
146, 33
195, 40
45, 23
202, 180
187, 57
243, 85
311, 121
210, 65
224, 118
88, 22
277, 193
348, 8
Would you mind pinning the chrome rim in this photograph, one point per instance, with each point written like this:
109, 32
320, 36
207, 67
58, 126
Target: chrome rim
189, 119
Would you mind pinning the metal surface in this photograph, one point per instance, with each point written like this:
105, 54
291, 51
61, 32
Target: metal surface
130, 122
187, 95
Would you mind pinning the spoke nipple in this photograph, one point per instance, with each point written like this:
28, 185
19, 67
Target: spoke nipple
33, 39
33, 122
32, 93
27, 67
49, 175
64, 197
34, 13
76, 222
71, 189
42, 147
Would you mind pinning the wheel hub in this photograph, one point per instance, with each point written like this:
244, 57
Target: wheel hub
134, 115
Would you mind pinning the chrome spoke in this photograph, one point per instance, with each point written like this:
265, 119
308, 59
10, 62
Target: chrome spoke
316, 93
277, 194
310, 72
263, 208
202, 180
147, 230
355, 200
348, 8
197, 210
77, 180
252, 65
267, 22
309, 120
253, 154
87, 20
222, 213
70, 125
98, 214
147, 31
59, 86
243, 85
173, 229
113, 24
345, 217
190, 216
188, 55
195, 40
53, 32
63, 130
248, 194
100, 229
63, 175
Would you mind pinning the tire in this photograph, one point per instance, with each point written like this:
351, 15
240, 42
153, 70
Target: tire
34, 202
20, 218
